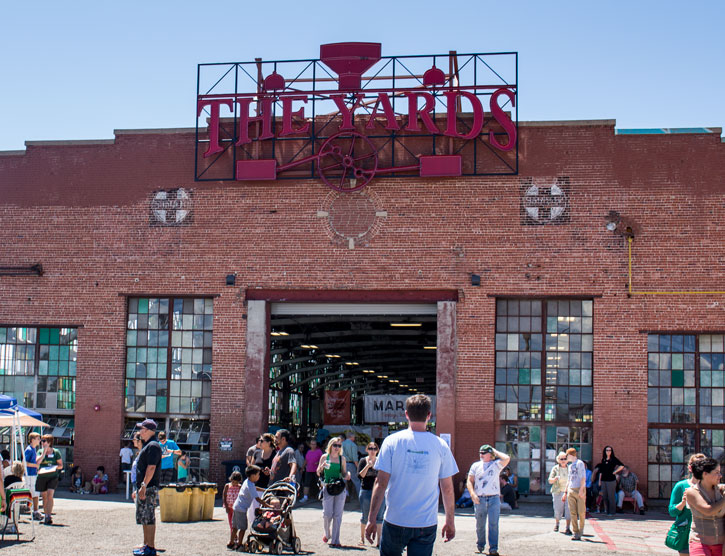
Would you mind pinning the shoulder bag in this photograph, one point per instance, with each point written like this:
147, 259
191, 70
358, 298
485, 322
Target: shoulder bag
678, 536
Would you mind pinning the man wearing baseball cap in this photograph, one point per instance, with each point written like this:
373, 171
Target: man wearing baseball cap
576, 493
485, 489
148, 473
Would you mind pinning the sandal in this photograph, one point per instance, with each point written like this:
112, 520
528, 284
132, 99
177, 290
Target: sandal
361, 543
232, 546
556, 528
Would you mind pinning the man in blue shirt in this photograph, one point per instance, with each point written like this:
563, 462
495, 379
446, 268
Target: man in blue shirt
412, 465
31, 464
169, 448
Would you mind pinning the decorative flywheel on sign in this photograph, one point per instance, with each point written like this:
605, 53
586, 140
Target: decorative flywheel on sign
352, 115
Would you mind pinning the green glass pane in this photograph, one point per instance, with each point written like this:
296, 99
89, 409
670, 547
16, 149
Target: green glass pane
53, 353
72, 368
535, 376
63, 367
54, 336
63, 353
535, 434
524, 376
44, 336
161, 404
143, 305
678, 454
678, 379
53, 366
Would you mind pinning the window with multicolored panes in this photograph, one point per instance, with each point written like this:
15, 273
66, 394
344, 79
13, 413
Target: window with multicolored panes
38, 366
169, 355
685, 389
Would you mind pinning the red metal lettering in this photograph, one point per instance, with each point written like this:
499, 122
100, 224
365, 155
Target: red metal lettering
387, 110
214, 105
476, 127
504, 119
287, 116
347, 113
244, 119
424, 112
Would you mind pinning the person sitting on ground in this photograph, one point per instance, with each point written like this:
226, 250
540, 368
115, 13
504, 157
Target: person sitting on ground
464, 500
15, 478
272, 516
628, 483
100, 481
508, 496
76, 480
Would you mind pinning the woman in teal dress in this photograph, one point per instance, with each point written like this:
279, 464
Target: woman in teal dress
678, 507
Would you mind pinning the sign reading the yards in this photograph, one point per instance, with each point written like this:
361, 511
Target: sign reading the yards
354, 114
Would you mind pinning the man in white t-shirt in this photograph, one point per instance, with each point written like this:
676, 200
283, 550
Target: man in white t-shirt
484, 486
413, 467
126, 455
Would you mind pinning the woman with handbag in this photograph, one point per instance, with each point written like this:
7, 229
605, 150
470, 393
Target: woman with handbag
707, 504
678, 537
367, 473
332, 469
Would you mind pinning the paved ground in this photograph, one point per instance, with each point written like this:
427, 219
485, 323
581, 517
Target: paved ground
105, 526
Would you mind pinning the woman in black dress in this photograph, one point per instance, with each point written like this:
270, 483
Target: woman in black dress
263, 459
609, 468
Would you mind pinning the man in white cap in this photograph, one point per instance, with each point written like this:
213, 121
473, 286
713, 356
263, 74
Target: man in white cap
485, 489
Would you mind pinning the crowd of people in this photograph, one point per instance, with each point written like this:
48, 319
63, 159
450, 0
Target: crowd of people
398, 486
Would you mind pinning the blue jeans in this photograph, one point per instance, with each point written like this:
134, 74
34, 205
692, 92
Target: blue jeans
418, 540
365, 499
489, 508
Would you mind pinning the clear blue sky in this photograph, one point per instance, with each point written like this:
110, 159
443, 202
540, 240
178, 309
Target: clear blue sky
80, 69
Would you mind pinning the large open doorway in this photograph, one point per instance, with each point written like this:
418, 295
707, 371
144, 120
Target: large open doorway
367, 349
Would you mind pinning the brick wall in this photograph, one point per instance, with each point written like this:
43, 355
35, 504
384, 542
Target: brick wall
82, 210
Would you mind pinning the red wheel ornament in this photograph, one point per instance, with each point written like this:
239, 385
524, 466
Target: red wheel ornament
347, 161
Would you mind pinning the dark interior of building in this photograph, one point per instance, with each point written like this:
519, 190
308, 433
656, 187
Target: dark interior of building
376, 354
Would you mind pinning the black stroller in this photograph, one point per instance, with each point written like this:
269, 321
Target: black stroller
278, 532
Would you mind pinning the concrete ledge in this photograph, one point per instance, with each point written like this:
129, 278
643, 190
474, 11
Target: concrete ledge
577, 123
154, 131
70, 143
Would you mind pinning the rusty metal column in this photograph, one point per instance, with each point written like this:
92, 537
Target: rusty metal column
256, 379
446, 370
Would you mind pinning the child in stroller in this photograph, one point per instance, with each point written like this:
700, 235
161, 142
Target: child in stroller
273, 525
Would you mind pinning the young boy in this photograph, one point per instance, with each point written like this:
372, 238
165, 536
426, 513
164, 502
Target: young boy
247, 495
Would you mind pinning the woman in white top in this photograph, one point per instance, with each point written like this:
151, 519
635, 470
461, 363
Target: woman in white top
558, 478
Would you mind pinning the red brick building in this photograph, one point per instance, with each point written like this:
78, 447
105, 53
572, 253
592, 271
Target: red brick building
541, 342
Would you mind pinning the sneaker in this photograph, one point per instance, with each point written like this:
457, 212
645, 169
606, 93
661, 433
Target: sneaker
48, 520
37, 516
304, 500
576, 538
145, 551
641, 511
493, 552
481, 549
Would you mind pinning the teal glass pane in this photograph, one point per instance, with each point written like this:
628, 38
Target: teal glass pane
63, 367
131, 355
53, 370
678, 361
717, 378
44, 336
678, 379
143, 305
718, 437
130, 370
689, 396
535, 434
63, 353
524, 376
678, 454
54, 336
131, 338
161, 404
535, 376
43, 368
72, 368
53, 353
551, 324
551, 434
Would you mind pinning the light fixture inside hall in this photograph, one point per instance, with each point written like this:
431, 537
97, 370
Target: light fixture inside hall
368, 371
308, 346
406, 324
430, 347
352, 363
332, 356
279, 333
382, 376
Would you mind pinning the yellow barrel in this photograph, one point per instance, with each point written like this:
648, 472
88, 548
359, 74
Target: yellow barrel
196, 505
174, 502
208, 491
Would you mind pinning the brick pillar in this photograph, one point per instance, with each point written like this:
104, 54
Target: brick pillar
256, 413
446, 370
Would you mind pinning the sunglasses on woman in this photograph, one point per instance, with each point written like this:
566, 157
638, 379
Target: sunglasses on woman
372, 449
337, 445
